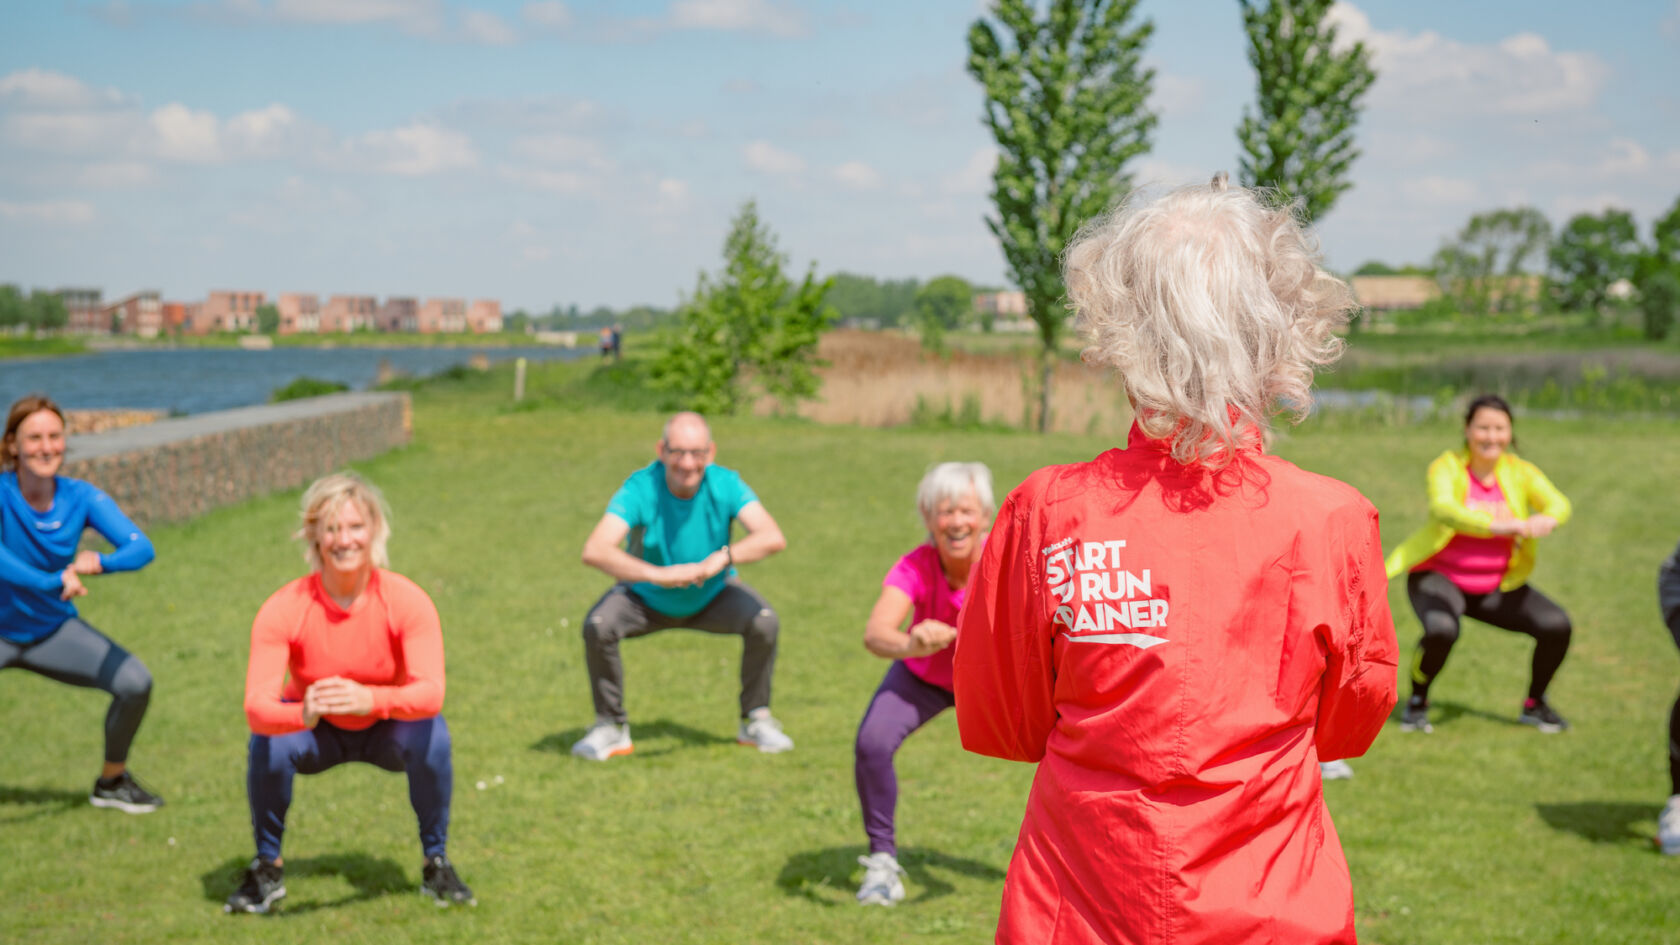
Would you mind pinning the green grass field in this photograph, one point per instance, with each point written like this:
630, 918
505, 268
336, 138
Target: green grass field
1484, 832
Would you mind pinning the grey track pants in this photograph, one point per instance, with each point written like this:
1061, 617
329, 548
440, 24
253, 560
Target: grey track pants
620, 615
79, 655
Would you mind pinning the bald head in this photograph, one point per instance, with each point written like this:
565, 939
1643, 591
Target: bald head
687, 425
686, 450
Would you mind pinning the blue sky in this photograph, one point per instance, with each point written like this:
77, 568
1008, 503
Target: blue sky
593, 152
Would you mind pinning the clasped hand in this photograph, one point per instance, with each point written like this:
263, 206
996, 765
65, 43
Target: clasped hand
335, 695
929, 637
87, 562
694, 574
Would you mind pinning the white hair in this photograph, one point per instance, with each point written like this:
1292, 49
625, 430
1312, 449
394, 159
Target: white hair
949, 482
1211, 304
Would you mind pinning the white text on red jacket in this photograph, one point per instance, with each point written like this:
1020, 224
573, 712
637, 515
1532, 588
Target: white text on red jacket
1100, 599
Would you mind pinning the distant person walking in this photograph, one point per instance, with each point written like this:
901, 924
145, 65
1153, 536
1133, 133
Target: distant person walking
346, 665
925, 588
1487, 510
677, 514
617, 343
606, 338
42, 517
1177, 631
1668, 598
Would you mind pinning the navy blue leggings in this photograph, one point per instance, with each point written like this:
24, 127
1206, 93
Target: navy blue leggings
419, 747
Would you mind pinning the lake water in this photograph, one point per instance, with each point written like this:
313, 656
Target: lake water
196, 380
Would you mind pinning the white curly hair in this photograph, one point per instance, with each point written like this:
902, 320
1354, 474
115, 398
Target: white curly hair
1211, 303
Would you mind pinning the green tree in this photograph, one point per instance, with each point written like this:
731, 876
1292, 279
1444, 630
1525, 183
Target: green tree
1299, 138
1066, 100
1483, 269
1376, 268
12, 306
268, 319
941, 306
1657, 275
748, 330
1590, 254
46, 311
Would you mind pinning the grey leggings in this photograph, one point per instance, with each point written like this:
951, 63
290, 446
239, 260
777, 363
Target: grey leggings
621, 615
77, 654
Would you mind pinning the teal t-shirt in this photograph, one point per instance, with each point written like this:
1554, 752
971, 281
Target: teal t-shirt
680, 531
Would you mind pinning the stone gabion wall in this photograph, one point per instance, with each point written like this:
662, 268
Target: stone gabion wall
173, 479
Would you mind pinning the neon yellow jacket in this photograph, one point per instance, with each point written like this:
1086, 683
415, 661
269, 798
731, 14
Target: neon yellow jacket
1527, 492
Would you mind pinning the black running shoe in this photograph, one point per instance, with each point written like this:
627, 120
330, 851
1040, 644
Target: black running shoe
125, 794
264, 885
438, 880
1415, 716
1537, 713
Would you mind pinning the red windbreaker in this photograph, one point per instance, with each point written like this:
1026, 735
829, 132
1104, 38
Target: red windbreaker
1178, 648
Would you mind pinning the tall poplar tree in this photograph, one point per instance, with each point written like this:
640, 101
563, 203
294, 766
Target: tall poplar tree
1066, 100
1299, 138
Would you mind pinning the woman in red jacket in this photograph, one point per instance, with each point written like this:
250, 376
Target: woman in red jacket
1177, 632
346, 665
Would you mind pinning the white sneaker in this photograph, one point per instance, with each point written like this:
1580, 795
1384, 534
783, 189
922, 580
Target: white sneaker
1335, 770
761, 729
1668, 827
605, 740
881, 883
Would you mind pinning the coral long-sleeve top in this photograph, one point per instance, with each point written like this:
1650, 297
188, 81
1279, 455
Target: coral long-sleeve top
390, 640
1177, 649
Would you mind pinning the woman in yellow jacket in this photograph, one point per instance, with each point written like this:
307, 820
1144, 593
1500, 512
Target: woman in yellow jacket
1487, 509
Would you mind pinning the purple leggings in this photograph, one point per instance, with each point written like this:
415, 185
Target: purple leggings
901, 705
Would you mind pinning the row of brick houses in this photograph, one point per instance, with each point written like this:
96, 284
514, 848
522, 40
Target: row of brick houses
146, 315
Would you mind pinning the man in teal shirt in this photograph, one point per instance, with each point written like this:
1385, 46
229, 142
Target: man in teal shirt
679, 571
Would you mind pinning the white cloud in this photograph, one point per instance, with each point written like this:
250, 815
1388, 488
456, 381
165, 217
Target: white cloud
40, 88
550, 14
563, 149
673, 190
415, 150
480, 26
565, 182
1177, 95
858, 175
420, 17
766, 158
1439, 190
51, 212
263, 131
1431, 74
975, 176
750, 16
181, 134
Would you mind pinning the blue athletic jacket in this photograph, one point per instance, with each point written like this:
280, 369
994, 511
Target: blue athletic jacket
36, 547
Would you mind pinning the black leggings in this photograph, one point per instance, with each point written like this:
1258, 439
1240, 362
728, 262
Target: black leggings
1440, 604
1673, 619
77, 654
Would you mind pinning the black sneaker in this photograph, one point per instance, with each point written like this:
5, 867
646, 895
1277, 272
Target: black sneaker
264, 885
1537, 713
1415, 716
438, 880
125, 794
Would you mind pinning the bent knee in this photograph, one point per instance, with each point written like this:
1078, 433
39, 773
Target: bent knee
1440, 628
132, 680
1555, 625
764, 624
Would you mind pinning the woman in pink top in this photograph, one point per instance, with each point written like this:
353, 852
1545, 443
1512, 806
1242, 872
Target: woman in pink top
1487, 509
926, 586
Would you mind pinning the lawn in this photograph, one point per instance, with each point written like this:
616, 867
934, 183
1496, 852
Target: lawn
1484, 832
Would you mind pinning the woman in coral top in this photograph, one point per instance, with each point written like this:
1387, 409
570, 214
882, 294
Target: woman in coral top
924, 590
346, 665
1179, 631
1487, 508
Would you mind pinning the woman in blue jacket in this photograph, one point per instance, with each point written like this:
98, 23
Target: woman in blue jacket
42, 516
